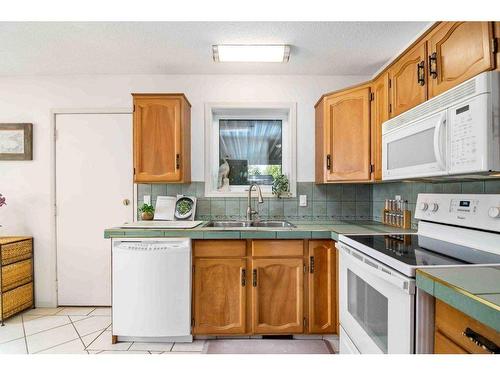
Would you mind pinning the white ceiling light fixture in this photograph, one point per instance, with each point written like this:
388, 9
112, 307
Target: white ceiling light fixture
251, 52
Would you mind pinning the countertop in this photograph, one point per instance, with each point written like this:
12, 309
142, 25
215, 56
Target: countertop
473, 290
315, 230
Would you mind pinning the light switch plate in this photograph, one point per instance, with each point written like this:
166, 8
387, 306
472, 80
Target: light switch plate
302, 200
147, 199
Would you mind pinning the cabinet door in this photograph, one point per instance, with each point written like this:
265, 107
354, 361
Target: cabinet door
277, 296
348, 136
219, 296
322, 288
458, 51
407, 80
157, 139
379, 113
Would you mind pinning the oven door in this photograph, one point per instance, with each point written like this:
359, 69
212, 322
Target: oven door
376, 304
416, 150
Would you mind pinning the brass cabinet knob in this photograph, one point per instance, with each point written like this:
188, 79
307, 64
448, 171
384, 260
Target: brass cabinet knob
126, 202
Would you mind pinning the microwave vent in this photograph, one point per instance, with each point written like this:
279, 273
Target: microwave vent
438, 103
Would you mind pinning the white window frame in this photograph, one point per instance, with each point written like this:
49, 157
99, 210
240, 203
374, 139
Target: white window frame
286, 112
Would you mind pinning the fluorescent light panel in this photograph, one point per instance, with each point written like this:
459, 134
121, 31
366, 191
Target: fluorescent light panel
251, 52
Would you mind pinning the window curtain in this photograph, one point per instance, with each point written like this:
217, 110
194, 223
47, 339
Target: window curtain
257, 141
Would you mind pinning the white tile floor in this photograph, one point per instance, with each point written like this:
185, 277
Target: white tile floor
82, 330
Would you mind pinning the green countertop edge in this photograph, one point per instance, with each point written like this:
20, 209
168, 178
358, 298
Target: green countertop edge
322, 230
453, 297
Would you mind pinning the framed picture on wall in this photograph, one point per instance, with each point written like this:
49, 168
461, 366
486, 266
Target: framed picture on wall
16, 141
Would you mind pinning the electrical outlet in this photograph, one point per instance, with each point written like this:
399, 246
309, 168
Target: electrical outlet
302, 200
147, 199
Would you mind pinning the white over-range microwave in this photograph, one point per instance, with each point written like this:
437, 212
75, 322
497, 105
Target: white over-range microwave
455, 134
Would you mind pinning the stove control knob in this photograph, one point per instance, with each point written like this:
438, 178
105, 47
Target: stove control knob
424, 206
494, 212
434, 207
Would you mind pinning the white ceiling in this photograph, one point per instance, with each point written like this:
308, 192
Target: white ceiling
322, 48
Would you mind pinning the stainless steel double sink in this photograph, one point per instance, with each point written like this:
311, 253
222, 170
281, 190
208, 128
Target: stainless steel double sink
251, 224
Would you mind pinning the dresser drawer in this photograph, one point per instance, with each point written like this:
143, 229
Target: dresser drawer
15, 251
16, 274
453, 324
16, 300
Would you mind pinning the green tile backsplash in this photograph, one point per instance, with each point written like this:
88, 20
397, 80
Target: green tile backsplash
338, 202
324, 202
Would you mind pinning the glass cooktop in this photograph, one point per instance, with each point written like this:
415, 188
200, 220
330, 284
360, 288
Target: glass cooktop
415, 250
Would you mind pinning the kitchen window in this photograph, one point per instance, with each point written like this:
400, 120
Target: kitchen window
248, 144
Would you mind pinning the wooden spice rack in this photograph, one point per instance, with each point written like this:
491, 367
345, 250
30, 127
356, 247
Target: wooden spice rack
397, 218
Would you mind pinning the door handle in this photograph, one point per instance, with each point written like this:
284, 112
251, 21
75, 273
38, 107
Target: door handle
437, 142
328, 162
177, 161
311, 264
433, 65
243, 277
420, 73
126, 202
254, 278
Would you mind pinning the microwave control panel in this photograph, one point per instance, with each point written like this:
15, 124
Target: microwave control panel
467, 133
464, 145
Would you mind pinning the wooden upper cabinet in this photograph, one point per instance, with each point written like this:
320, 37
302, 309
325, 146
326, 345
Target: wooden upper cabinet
219, 296
343, 137
322, 287
496, 43
277, 296
458, 51
379, 113
407, 80
162, 138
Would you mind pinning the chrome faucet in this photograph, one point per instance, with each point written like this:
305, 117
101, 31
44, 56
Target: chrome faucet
250, 211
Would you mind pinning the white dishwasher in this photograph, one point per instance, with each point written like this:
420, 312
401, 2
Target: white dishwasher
151, 289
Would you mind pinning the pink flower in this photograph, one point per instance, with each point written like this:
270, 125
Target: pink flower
2, 200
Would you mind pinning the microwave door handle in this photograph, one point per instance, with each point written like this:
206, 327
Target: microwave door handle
438, 152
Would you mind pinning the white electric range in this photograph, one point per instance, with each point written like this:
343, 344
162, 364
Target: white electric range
377, 272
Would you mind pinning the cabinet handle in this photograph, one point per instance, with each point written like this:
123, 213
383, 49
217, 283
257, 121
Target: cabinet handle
177, 161
254, 278
328, 162
433, 65
311, 264
420, 73
481, 341
243, 277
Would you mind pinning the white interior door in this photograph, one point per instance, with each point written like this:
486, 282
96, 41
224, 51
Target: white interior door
93, 178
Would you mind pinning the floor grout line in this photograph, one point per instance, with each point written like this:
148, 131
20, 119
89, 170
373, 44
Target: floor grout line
78, 333
48, 329
91, 311
24, 331
54, 346
99, 335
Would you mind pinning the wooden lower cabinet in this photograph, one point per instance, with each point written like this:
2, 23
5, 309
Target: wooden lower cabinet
264, 287
458, 333
322, 306
219, 296
277, 295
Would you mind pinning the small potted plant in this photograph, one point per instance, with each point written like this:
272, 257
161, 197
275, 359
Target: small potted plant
147, 212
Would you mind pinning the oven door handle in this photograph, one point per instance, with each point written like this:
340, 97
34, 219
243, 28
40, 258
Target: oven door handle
372, 266
438, 152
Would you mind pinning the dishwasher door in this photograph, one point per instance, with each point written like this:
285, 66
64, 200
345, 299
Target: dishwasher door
152, 289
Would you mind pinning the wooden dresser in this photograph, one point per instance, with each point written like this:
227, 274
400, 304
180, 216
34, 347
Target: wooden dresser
17, 292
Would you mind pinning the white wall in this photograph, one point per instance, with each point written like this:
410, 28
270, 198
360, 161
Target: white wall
28, 185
